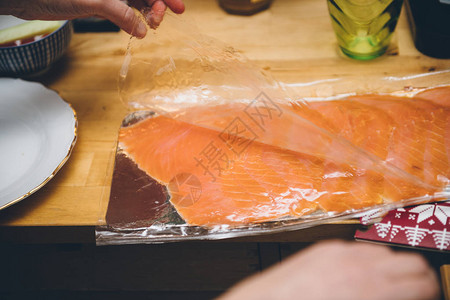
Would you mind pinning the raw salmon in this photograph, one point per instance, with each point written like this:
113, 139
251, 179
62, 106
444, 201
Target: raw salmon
411, 134
288, 165
439, 95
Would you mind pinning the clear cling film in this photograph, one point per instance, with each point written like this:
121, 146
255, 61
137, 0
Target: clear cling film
215, 147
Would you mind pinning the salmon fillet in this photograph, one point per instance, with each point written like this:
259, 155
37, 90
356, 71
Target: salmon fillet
439, 95
290, 167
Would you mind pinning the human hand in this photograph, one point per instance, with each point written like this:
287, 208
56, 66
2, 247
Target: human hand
343, 270
116, 11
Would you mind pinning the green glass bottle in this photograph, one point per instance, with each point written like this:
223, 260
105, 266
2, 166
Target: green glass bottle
364, 27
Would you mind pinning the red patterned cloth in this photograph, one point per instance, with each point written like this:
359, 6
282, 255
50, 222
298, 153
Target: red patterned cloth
424, 226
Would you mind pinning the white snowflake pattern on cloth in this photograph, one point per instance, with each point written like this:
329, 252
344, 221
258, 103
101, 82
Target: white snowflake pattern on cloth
442, 213
395, 229
423, 211
441, 238
383, 229
427, 225
415, 235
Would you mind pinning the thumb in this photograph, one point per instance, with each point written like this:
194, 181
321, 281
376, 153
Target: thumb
123, 16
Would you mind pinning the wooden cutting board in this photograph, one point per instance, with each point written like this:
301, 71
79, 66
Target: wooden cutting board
293, 40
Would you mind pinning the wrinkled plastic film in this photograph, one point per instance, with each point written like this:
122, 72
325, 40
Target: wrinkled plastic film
259, 159
177, 67
188, 69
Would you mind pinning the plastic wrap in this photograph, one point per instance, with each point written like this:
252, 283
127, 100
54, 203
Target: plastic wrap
216, 148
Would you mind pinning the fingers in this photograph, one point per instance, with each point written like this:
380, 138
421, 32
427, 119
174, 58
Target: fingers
156, 14
177, 6
122, 15
344, 270
407, 276
424, 287
390, 274
405, 264
114, 10
154, 10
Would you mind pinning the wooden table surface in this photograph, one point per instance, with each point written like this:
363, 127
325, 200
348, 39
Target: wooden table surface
293, 39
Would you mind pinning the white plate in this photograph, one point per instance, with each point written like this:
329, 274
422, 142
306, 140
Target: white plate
37, 134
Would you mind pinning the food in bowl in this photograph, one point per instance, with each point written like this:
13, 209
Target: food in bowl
30, 47
27, 32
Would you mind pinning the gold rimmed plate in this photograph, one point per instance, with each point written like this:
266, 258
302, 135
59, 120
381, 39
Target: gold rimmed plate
38, 131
